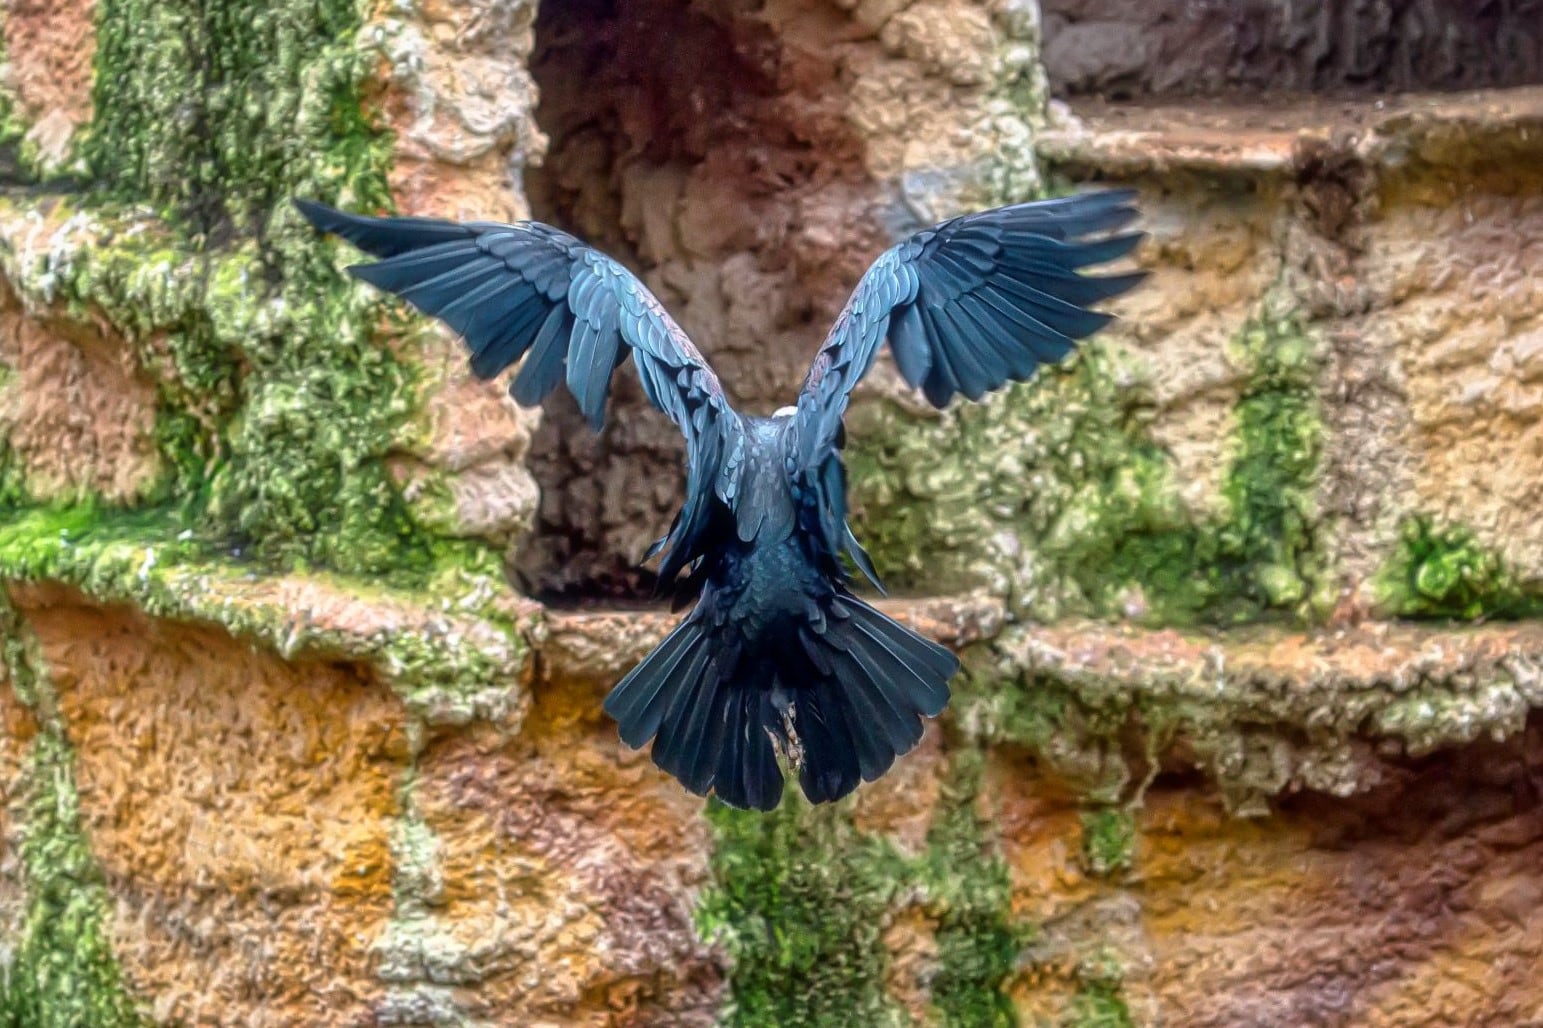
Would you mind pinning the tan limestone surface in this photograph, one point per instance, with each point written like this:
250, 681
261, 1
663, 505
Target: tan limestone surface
48, 51
1406, 230
1415, 904
77, 411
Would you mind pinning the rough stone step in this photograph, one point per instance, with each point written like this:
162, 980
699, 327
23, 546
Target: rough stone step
1272, 136
468, 650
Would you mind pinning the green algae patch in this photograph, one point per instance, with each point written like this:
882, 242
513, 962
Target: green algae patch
13, 476
799, 904
1025, 492
1099, 1001
276, 404
61, 972
1437, 572
218, 112
968, 895
1108, 841
1269, 540
281, 401
802, 902
1099, 1005
17, 162
1056, 496
106, 264
445, 647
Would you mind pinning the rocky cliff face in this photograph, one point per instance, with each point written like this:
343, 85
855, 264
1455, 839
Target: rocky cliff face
1248, 594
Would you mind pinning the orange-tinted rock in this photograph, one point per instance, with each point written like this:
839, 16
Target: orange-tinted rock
566, 872
240, 808
461, 102
1414, 905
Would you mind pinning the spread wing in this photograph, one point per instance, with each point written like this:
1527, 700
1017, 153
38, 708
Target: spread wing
529, 290
967, 306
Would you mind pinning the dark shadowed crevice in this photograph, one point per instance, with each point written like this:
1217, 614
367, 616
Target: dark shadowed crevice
722, 169
1130, 48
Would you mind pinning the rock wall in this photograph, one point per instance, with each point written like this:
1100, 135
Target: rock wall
1248, 593
1177, 47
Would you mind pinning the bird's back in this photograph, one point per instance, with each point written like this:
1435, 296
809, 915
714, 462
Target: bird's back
765, 567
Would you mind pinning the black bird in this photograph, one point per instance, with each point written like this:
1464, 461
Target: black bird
777, 646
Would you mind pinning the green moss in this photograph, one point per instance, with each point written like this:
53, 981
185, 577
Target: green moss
801, 898
799, 903
1100, 1002
61, 972
14, 166
1269, 537
1446, 573
1025, 489
969, 897
1108, 841
1056, 496
280, 398
151, 289
218, 112
1099, 1006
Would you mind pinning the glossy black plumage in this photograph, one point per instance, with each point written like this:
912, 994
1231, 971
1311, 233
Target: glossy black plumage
777, 653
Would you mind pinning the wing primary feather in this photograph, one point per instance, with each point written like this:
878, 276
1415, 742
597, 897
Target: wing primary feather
956, 349
543, 367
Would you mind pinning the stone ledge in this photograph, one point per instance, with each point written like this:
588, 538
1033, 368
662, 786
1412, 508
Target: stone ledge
452, 660
1273, 137
602, 645
1262, 710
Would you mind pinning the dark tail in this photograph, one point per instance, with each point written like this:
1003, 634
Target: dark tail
846, 692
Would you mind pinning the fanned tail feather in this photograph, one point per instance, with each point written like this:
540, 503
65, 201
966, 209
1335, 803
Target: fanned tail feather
855, 689
853, 723
709, 731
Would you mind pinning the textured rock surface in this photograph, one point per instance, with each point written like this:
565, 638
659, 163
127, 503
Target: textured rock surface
1411, 905
1133, 47
272, 785
281, 745
46, 78
78, 414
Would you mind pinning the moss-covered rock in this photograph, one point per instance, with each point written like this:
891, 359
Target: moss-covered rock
278, 392
448, 646
804, 903
1446, 573
1108, 840
1056, 496
799, 904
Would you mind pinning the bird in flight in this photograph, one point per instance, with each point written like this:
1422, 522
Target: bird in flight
778, 653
